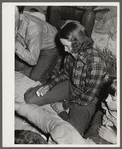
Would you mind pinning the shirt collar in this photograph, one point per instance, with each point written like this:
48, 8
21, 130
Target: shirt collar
82, 56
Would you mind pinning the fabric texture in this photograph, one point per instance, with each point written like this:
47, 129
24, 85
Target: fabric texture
60, 92
92, 132
105, 31
79, 117
22, 84
61, 131
110, 117
37, 35
59, 14
37, 50
87, 85
37, 14
106, 118
43, 117
46, 63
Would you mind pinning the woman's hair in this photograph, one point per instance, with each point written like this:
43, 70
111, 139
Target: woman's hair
113, 87
28, 137
76, 33
20, 9
109, 87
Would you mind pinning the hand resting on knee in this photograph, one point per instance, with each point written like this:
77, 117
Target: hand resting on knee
33, 94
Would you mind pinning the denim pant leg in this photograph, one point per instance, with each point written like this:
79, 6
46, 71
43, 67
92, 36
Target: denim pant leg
92, 132
59, 14
80, 117
88, 21
47, 61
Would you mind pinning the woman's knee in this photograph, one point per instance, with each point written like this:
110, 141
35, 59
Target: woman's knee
33, 100
30, 96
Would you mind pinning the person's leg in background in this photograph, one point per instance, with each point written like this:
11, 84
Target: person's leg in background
54, 16
80, 117
19, 64
89, 20
57, 15
47, 61
22, 66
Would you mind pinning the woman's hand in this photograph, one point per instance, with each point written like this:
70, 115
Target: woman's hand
32, 95
107, 134
43, 90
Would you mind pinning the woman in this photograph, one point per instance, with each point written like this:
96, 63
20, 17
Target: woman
79, 82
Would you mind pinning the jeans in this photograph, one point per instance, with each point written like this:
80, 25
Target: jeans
79, 116
41, 71
92, 132
42, 117
46, 62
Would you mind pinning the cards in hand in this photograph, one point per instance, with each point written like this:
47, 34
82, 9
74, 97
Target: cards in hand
39, 92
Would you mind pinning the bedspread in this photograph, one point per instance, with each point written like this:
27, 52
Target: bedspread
105, 31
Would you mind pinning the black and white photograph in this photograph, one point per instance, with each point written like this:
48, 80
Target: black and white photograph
61, 74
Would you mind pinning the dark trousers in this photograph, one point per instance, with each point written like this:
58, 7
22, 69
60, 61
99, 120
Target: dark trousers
57, 15
47, 61
92, 132
41, 71
79, 116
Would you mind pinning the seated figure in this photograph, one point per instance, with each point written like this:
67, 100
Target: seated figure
43, 117
35, 48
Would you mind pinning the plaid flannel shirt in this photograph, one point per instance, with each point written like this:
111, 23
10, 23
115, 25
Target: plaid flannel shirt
86, 72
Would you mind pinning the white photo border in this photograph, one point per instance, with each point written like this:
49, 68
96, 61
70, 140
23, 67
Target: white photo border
8, 70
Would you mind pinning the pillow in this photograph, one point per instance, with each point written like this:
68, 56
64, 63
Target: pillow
22, 84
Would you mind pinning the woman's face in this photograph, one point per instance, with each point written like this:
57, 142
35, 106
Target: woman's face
112, 102
67, 45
